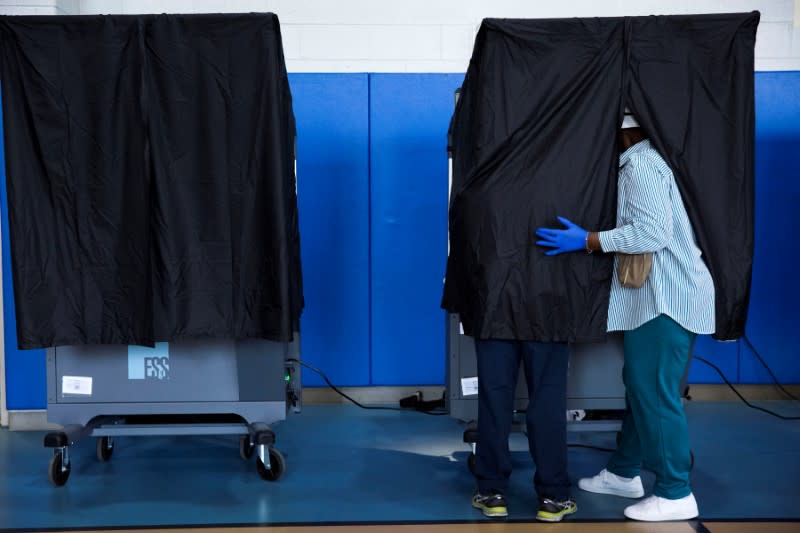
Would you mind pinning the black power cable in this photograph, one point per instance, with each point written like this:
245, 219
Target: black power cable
727, 382
590, 447
748, 404
764, 364
701, 359
341, 393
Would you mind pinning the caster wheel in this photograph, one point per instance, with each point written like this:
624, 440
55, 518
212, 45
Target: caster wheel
105, 448
471, 462
246, 447
277, 466
56, 472
470, 435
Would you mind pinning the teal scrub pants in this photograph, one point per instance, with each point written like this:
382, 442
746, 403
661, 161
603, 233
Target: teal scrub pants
655, 434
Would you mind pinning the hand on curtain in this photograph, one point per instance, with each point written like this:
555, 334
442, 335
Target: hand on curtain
571, 239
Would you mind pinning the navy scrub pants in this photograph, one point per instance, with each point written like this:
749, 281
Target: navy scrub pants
545, 367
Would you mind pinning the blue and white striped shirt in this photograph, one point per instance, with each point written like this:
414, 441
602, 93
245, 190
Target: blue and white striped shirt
651, 217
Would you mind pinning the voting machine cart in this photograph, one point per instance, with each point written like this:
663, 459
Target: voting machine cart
209, 387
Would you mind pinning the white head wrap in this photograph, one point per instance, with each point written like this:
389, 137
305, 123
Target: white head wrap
629, 121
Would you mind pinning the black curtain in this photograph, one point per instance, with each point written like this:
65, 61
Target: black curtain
690, 80
534, 136
150, 178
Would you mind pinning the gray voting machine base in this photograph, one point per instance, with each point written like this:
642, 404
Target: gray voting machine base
594, 382
209, 387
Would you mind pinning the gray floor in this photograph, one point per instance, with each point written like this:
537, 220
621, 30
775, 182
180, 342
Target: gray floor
348, 465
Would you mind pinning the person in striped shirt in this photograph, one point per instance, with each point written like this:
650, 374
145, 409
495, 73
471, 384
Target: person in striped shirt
660, 320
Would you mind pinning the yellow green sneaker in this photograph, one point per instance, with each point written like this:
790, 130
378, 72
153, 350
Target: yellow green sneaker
493, 504
554, 511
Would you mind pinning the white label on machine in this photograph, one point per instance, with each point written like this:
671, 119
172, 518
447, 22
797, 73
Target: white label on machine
76, 385
461, 328
469, 386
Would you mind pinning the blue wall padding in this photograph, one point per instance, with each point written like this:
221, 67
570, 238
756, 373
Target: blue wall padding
409, 118
26, 387
332, 116
773, 324
774, 312
372, 183
724, 355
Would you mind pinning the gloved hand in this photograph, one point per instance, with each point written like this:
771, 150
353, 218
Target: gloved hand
572, 239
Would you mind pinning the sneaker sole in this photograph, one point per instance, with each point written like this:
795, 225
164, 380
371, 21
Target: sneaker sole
612, 492
491, 512
555, 517
671, 518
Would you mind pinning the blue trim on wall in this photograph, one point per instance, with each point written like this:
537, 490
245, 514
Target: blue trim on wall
369, 224
372, 181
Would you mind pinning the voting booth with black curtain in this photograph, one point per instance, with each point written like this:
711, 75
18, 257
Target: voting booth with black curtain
150, 179
153, 222
534, 136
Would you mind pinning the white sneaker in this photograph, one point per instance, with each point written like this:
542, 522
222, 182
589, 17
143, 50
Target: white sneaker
657, 509
607, 483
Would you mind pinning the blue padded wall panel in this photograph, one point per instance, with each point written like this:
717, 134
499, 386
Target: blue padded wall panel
26, 380
387, 286
409, 118
774, 316
333, 202
725, 355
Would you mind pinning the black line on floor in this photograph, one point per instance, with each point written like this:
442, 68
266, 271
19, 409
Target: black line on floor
754, 520
301, 524
699, 526
695, 524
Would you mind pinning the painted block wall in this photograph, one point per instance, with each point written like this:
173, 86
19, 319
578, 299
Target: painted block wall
437, 36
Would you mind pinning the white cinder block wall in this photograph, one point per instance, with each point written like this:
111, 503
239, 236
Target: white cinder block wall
429, 35
29, 7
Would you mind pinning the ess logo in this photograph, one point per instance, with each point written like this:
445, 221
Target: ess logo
148, 363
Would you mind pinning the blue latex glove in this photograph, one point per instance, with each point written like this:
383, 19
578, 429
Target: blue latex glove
571, 239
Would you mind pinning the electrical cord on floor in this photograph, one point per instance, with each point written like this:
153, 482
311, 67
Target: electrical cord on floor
701, 359
344, 395
590, 447
748, 404
769, 370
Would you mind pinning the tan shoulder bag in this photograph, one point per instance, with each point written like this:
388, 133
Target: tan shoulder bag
633, 269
